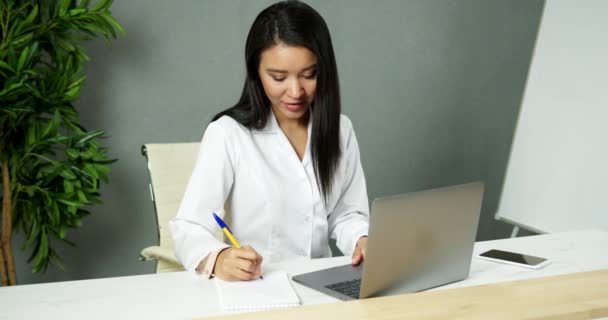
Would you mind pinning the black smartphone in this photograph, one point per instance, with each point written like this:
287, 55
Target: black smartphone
515, 258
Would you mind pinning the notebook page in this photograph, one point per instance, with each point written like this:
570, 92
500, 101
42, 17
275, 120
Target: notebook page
274, 291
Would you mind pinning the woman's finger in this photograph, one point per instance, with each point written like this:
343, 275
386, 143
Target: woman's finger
247, 252
357, 256
246, 265
239, 269
244, 275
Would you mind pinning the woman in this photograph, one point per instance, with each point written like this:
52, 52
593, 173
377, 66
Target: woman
283, 159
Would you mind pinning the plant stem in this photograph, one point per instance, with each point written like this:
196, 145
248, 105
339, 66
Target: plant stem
3, 273
7, 226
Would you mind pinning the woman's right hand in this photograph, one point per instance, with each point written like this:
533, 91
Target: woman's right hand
238, 264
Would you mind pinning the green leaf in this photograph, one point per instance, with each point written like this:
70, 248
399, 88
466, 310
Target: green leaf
10, 88
34, 251
72, 153
31, 136
89, 136
55, 257
68, 174
63, 7
17, 27
78, 82
14, 93
95, 29
101, 5
68, 186
70, 203
84, 4
82, 197
72, 209
33, 234
89, 168
53, 124
35, 91
33, 14
18, 41
6, 66
70, 94
43, 251
77, 222
102, 168
33, 51
59, 139
75, 12
55, 214
106, 26
44, 242
114, 23
22, 58
63, 231
54, 209
95, 200
30, 191
104, 161
83, 212
67, 46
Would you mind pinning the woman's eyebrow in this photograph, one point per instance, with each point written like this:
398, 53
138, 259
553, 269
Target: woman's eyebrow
312, 66
275, 70
284, 71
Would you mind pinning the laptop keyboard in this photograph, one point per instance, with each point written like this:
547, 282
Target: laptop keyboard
350, 288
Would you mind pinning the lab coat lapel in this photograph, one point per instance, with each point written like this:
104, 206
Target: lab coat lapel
273, 127
296, 198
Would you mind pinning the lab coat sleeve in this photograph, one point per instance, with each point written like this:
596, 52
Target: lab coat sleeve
349, 220
193, 227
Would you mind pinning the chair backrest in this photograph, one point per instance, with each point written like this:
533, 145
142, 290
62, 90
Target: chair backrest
170, 166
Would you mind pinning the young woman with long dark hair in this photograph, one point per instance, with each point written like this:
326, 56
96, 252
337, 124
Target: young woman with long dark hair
283, 159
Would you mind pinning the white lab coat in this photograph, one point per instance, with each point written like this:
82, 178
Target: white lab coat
273, 197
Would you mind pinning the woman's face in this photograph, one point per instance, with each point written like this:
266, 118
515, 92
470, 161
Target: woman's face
289, 78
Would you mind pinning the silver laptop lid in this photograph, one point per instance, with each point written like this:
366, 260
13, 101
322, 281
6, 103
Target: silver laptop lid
421, 240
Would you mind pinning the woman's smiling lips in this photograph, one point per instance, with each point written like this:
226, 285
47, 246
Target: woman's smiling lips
294, 106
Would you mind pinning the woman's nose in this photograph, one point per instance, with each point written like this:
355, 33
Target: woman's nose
295, 89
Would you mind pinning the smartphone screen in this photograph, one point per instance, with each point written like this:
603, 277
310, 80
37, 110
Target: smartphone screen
513, 257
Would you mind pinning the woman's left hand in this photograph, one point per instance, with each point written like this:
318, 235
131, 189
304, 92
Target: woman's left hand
360, 250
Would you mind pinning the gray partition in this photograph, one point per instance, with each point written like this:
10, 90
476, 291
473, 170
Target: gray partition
432, 87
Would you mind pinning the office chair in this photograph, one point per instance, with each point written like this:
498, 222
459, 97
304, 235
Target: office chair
170, 166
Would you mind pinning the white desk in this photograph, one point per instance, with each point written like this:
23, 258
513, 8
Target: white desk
182, 295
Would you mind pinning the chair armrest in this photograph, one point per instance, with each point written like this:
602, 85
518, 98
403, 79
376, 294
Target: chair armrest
158, 253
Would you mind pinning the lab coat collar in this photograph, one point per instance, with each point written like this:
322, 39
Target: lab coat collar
272, 125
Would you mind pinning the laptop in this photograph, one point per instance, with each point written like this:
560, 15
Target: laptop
417, 241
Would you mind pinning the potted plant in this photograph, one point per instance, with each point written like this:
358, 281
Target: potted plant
51, 165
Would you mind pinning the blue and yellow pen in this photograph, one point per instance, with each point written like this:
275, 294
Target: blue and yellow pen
228, 233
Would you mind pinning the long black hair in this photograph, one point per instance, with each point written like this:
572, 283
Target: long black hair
297, 24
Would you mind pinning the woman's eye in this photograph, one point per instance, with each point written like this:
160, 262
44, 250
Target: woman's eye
278, 79
311, 75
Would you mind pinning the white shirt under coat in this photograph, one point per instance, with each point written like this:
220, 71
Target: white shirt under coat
274, 200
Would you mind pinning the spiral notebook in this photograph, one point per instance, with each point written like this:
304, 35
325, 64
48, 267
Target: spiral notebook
273, 292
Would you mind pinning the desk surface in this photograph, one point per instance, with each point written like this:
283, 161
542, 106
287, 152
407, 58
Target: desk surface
573, 296
182, 295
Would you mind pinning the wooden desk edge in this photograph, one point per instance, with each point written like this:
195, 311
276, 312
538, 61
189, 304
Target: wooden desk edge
582, 295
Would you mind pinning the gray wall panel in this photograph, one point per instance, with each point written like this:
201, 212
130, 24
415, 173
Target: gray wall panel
432, 87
